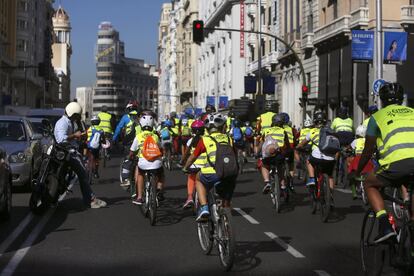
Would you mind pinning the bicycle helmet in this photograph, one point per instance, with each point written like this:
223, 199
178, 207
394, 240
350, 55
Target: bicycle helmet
104, 108
146, 122
95, 121
342, 112
173, 115
372, 109
285, 117
237, 123
184, 122
319, 118
214, 121
168, 123
197, 127
308, 123
132, 105
73, 108
361, 131
278, 120
391, 93
247, 123
231, 114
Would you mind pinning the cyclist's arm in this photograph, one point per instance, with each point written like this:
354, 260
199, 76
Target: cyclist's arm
369, 149
197, 152
304, 142
120, 126
134, 149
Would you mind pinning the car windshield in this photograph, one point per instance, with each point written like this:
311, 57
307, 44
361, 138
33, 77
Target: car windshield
52, 119
37, 127
12, 131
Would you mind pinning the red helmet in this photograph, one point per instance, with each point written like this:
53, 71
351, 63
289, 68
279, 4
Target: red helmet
197, 127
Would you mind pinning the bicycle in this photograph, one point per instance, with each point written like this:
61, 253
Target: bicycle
240, 160
276, 191
341, 170
150, 204
400, 249
321, 195
167, 158
359, 186
218, 230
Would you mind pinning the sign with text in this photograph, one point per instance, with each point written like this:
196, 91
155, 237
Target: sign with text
362, 45
242, 28
395, 47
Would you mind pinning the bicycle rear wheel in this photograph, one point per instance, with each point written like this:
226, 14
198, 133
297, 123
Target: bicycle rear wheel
240, 160
145, 195
313, 199
325, 199
226, 239
205, 231
153, 201
275, 193
103, 156
372, 255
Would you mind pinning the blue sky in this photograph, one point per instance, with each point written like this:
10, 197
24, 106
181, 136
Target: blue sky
136, 20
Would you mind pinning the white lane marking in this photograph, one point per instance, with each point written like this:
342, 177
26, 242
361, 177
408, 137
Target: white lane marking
321, 273
19, 255
343, 191
13, 236
292, 251
246, 216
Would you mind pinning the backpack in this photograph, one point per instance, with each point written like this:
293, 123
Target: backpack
328, 142
150, 149
269, 142
248, 132
226, 162
165, 134
237, 134
95, 142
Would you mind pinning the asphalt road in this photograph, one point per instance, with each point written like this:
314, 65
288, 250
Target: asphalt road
118, 240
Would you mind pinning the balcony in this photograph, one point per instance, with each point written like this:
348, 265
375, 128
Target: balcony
359, 18
407, 16
336, 27
307, 41
251, 39
251, 10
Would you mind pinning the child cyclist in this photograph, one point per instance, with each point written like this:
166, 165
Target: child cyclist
185, 135
138, 147
197, 128
96, 138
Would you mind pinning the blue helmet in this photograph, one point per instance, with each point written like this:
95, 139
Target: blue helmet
285, 117
168, 123
372, 109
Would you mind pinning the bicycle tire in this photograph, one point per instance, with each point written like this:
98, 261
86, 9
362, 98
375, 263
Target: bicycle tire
367, 246
313, 199
145, 195
205, 231
275, 193
363, 194
325, 199
241, 163
196, 204
227, 242
396, 208
103, 156
404, 250
152, 206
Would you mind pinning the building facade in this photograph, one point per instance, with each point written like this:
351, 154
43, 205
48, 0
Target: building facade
62, 51
119, 78
84, 98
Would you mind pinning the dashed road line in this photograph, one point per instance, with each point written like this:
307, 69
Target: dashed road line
321, 273
246, 216
292, 251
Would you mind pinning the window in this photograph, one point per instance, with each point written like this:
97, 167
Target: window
22, 45
323, 16
23, 6
21, 24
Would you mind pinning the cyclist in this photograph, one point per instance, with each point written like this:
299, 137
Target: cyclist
207, 177
275, 141
96, 137
197, 129
229, 121
370, 111
128, 122
248, 133
107, 122
358, 146
210, 109
325, 162
185, 135
287, 126
263, 121
166, 135
391, 130
236, 133
307, 128
147, 125
176, 129
343, 125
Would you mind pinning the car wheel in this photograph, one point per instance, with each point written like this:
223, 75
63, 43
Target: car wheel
5, 211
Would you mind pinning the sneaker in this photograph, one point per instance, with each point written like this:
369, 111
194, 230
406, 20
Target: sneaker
96, 175
385, 230
267, 188
310, 182
126, 183
138, 201
97, 203
188, 203
203, 213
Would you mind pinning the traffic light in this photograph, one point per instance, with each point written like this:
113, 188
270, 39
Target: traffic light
305, 92
198, 31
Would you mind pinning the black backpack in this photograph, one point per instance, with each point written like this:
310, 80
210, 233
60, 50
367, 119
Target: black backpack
226, 162
328, 142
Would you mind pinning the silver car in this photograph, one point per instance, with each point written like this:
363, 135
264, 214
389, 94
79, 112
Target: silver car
23, 148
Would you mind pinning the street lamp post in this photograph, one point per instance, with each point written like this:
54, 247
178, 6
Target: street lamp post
379, 60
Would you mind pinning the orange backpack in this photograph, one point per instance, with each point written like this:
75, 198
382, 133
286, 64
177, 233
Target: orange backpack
150, 149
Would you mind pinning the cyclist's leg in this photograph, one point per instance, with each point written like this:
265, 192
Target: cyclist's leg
191, 181
201, 190
139, 180
310, 166
225, 190
265, 170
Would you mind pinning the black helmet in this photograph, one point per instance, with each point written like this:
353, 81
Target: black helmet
237, 123
278, 120
210, 108
391, 93
342, 112
372, 109
319, 118
286, 118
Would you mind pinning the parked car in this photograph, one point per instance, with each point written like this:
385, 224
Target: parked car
5, 186
53, 115
23, 148
38, 125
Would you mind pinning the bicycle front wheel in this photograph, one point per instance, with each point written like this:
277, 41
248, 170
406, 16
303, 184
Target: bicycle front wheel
145, 195
325, 200
226, 239
275, 193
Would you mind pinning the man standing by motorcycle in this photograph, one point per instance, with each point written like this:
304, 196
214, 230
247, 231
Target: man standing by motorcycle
64, 134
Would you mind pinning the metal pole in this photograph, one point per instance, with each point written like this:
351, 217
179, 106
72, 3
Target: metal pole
194, 82
217, 78
379, 60
25, 84
259, 61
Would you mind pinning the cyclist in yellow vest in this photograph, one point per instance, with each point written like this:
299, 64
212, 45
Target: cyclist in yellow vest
370, 111
290, 150
106, 121
127, 122
343, 125
307, 128
176, 129
274, 142
229, 121
391, 129
147, 125
93, 152
207, 178
263, 121
185, 135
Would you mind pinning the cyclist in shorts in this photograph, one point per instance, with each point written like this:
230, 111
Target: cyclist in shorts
248, 132
324, 162
93, 151
207, 178
274, 142
147, 124
391, 131
238, 138
185, 135
197, 129
166, 135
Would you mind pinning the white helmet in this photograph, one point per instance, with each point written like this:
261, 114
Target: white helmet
307, 123
361, 130
146, 121
184, 122
73, 108
215, 120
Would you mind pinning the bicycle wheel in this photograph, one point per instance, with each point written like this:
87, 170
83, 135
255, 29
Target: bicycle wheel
103, 156
145, 195
153, 201
226, 239
205, 231
397, 209
372, 255
363, 194
275, 193
402, 258
313, 199
325, 199
240, 160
